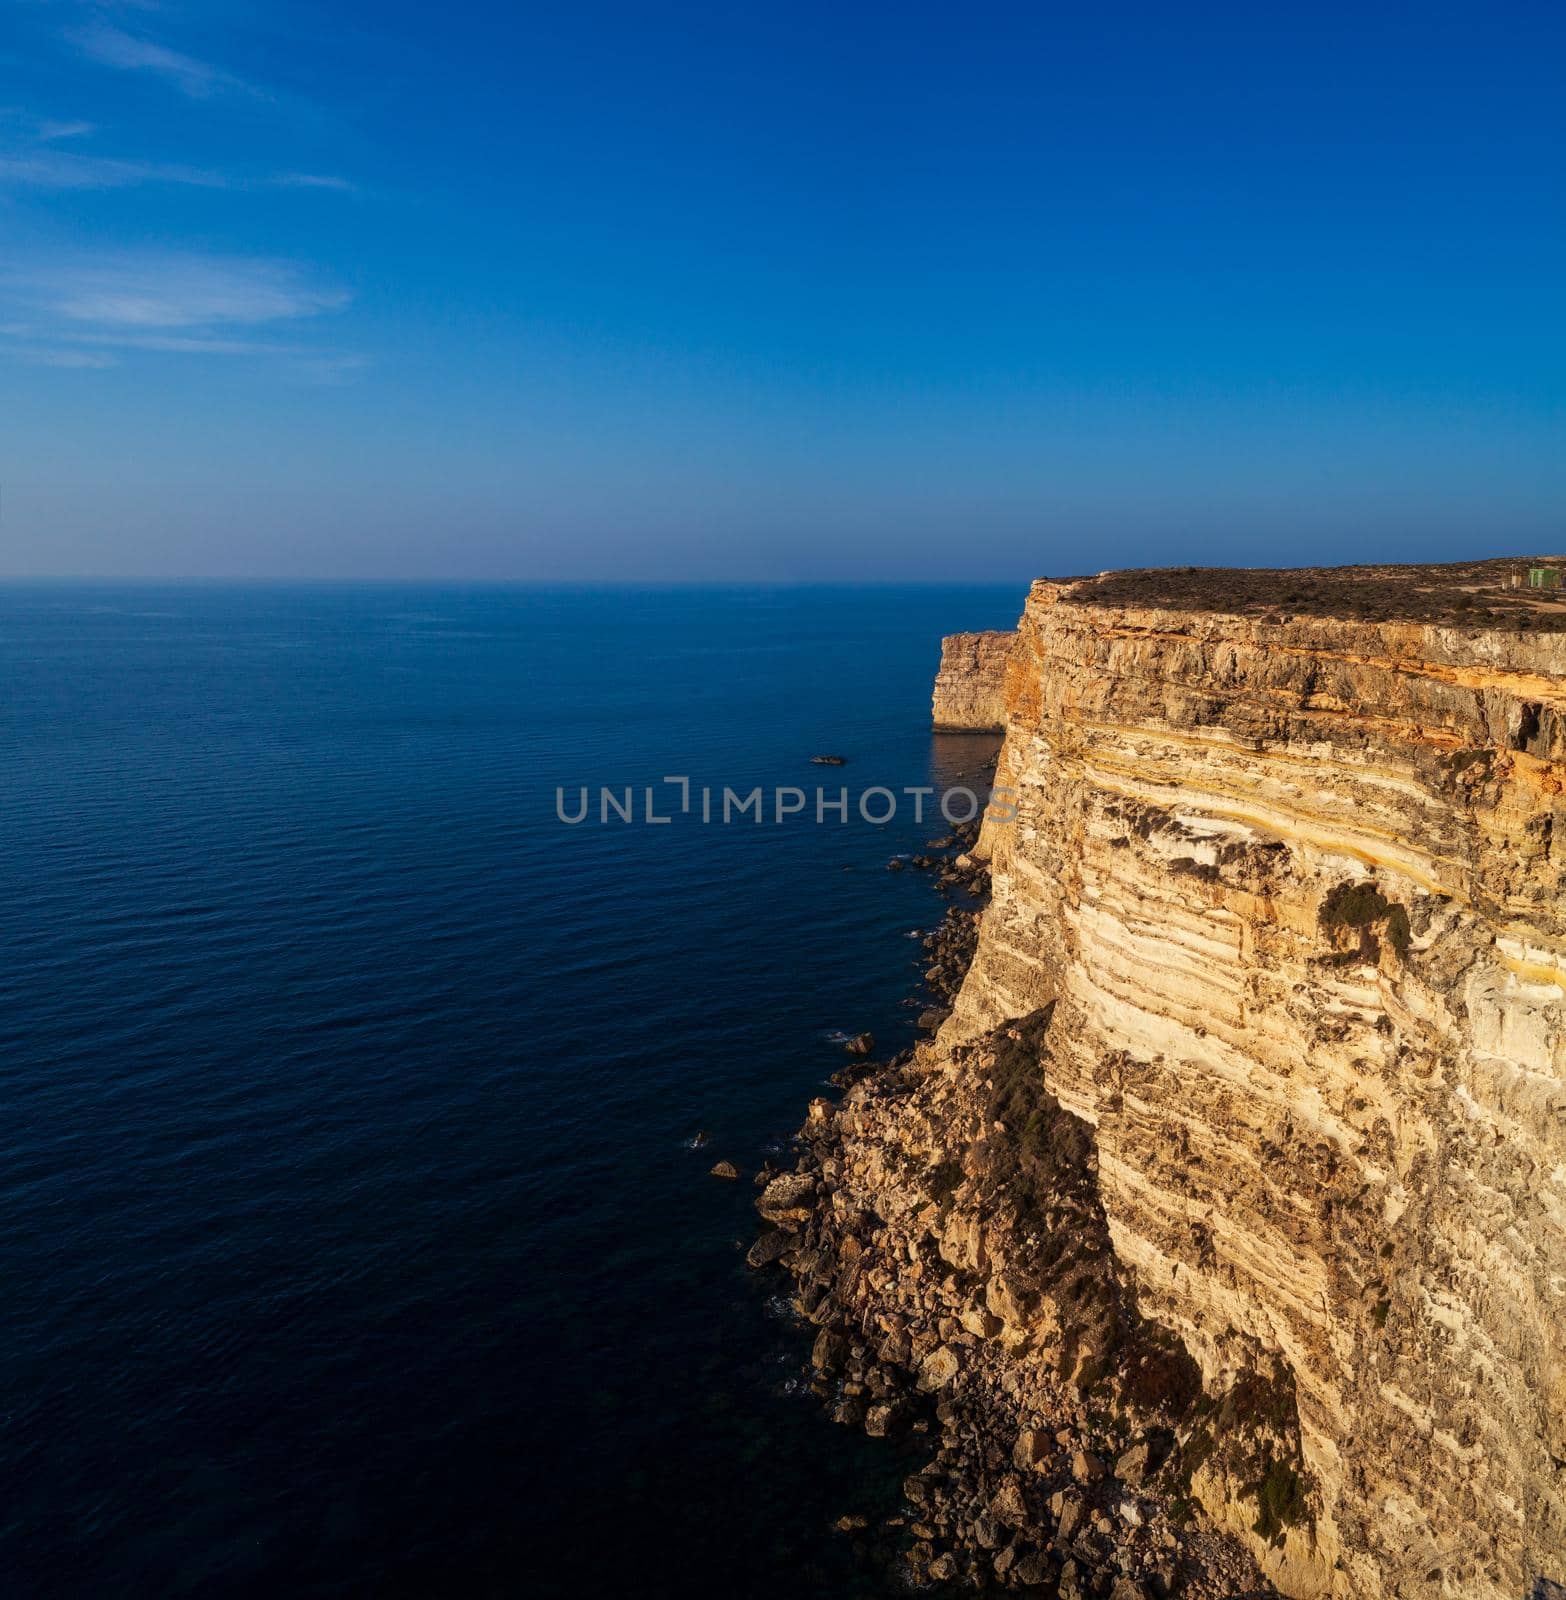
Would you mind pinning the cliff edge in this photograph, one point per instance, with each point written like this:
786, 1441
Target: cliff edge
1242, 1155
970, 687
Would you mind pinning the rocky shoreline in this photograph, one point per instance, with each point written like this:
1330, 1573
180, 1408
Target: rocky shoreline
943, 1234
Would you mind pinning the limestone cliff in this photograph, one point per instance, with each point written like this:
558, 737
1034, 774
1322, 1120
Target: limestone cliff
970, 686
1278, 929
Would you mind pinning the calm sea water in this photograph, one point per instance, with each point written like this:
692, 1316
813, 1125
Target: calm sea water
352, 1242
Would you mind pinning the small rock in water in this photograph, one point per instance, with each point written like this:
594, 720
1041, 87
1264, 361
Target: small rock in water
725, 1169
699, 1139
829, 761
861, 1044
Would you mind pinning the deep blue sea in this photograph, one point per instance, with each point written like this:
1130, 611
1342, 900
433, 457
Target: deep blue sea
351, 1236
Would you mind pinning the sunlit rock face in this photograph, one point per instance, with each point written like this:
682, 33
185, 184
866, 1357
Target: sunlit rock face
1294, 884
970, 688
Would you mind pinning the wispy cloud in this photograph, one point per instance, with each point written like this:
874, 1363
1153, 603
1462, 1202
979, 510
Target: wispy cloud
82, 313
49, 130
41, 166
76, 360
59, 169
311, 180
187, 291
110, 46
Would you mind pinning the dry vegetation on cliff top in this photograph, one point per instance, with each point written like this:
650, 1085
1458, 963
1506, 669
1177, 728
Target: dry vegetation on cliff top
1463, 594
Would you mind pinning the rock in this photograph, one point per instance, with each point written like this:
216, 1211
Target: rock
820, 1112
699, 1139
937, 1369
1007, 1504
1034, 1570
826, 1355
788, 1199
879, 1419
933, 1017
944, 1568
1086, 1467
829, 761
725, 1169
1128, 1589
894, 865
1070, 1517
851, 1523
1132, 1467
861, 1044
768, 1248
896, 1349
981, 1324
1032, 1449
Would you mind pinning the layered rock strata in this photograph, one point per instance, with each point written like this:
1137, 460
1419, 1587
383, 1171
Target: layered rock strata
970, 687
1245, 1140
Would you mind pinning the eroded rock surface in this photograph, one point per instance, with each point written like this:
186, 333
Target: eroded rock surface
970, 688
1240, 1163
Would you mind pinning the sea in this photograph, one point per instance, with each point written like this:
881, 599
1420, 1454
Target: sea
356, 1111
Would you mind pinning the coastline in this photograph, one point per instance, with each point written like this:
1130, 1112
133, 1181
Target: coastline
1058, 1468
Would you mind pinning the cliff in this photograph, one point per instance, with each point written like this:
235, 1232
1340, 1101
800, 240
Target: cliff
970, 687
1244, 1146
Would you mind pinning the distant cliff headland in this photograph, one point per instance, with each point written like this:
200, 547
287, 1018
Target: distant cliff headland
1218, 1236
970, 685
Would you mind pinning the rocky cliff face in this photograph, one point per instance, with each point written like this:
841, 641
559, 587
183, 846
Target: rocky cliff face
1245, 1142
970, 688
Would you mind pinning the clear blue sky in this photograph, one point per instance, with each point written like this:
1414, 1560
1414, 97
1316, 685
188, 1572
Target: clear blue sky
309, 287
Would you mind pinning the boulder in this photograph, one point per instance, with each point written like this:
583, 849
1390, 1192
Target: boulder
1070, 1520
937, 1369
1007, 1505
826, 1355
725, 1169
787, 1199
879, 1420
1132, 1467
768, 1248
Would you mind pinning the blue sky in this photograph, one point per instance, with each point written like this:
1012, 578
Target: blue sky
778, 292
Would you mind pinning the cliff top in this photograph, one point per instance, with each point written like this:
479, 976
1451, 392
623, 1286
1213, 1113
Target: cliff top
1473, 594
